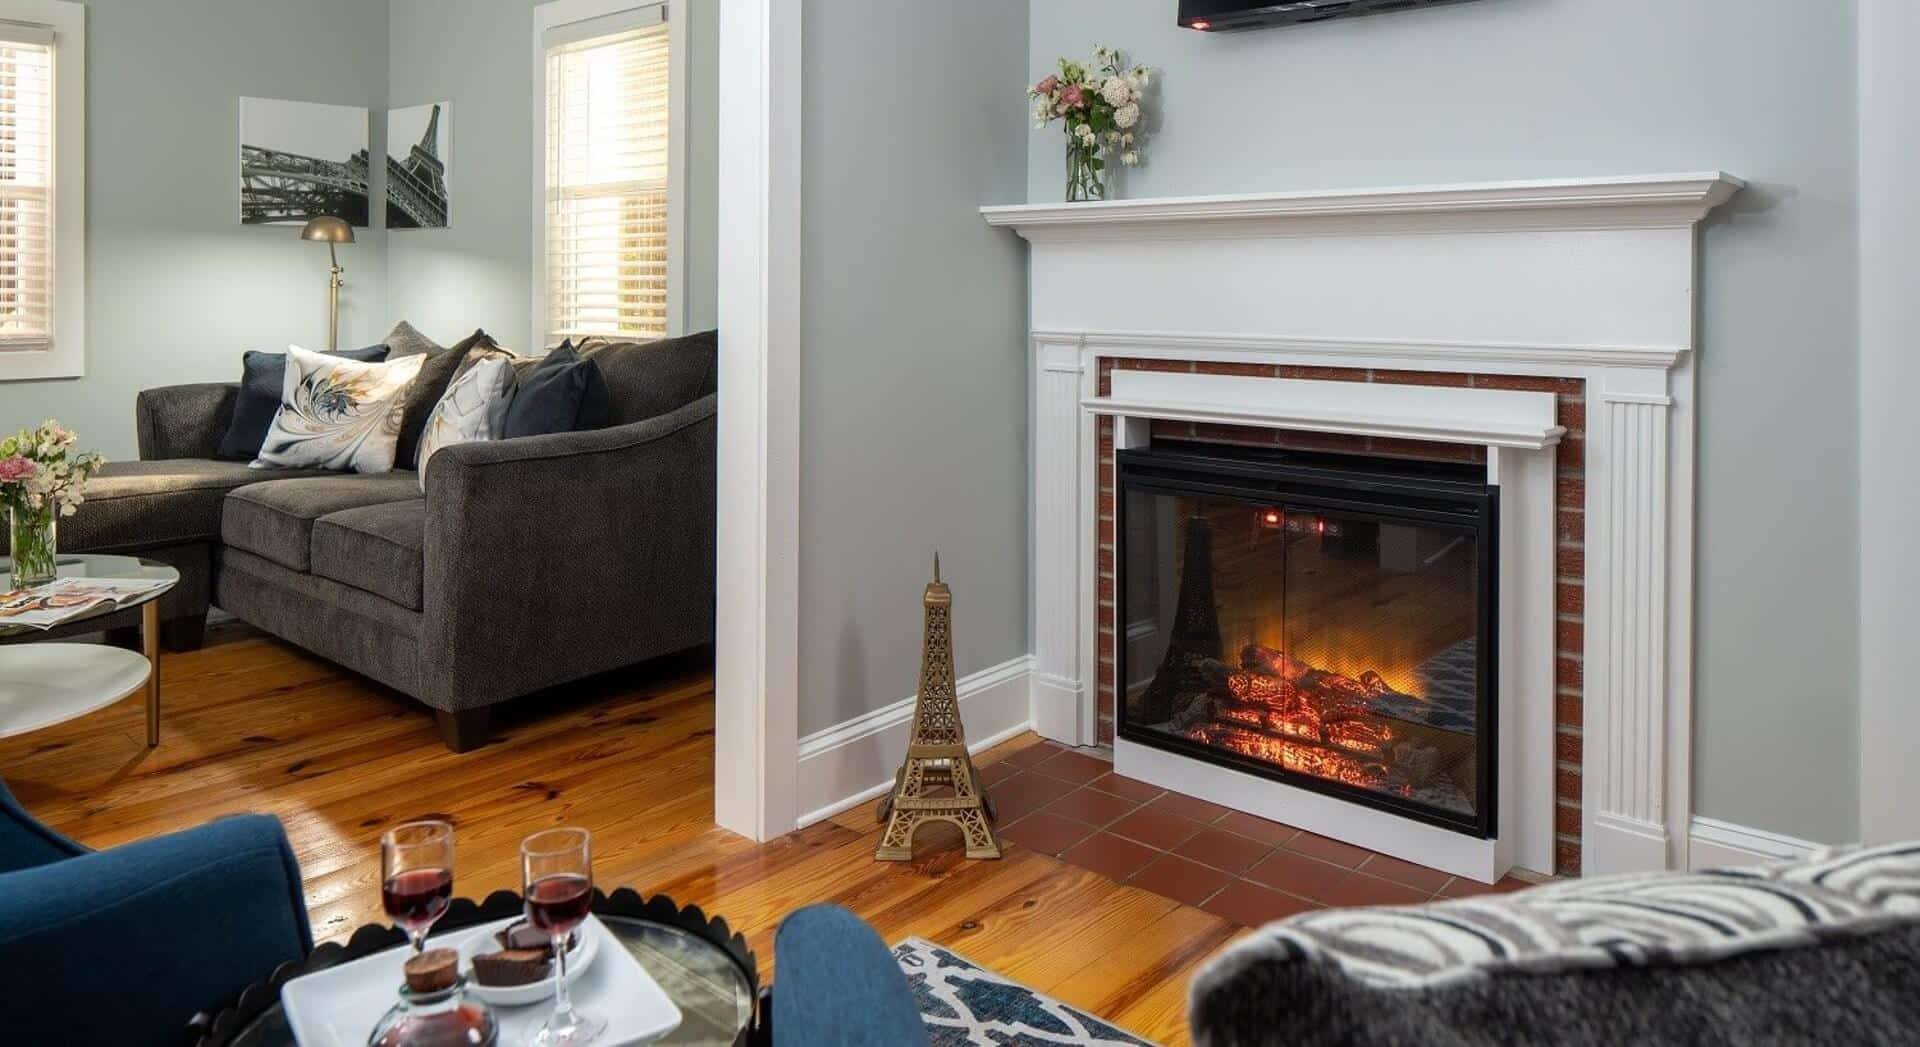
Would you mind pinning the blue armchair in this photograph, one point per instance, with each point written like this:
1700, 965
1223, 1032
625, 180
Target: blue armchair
124, 946
838, 984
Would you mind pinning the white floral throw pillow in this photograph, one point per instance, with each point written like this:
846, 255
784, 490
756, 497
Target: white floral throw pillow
338, 414
470, 409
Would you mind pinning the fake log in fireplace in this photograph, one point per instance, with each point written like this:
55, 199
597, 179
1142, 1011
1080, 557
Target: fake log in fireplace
1327, 621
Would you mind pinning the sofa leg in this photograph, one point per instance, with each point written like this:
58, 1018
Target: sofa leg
184, 634
464, 730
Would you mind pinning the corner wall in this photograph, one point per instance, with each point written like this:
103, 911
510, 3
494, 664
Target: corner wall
177, 287
477, 54
913, 382
1505, 89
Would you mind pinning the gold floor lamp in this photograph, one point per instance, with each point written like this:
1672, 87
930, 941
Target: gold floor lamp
330, 231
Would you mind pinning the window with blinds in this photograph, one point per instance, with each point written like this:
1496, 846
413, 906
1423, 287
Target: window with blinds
26, 172
607, 183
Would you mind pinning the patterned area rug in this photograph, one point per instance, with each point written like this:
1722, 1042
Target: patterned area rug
965, 1004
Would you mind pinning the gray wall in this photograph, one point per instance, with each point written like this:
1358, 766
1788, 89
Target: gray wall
1889, 443
177, 287
479, 271
913, 315
1539, 88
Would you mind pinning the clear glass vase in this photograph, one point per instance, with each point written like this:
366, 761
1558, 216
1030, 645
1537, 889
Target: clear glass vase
33, 546
1086, 172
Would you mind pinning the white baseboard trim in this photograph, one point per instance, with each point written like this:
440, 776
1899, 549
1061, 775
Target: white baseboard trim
1714, 844
853, 762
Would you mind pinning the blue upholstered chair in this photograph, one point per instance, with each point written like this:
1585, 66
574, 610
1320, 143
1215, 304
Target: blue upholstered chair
124, 946
838, 984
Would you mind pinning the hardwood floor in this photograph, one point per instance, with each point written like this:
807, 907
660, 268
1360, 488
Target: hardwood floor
251, 724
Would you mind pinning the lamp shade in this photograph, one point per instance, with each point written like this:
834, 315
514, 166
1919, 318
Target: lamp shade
328, 229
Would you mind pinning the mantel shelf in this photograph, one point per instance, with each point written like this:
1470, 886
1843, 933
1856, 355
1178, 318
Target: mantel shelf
1487, 417
1613, 202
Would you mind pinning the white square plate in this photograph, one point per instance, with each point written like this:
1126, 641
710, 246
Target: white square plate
338, 1007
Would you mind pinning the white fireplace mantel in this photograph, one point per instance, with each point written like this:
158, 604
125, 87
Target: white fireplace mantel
1620, 202
1574, 278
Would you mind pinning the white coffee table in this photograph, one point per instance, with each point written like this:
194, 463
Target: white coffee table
42, 684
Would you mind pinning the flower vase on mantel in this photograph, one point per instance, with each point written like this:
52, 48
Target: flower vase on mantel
33, 533
41, 480
1086, 173
1100, 103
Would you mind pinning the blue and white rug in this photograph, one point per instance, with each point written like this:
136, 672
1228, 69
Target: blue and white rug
965, 1004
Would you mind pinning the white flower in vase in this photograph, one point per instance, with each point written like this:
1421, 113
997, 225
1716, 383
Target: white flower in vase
1127, 115
1116, 91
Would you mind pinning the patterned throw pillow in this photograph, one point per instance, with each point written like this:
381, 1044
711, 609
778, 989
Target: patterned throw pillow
338, 414
472, 407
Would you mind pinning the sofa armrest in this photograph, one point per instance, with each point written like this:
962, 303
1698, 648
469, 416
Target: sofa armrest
126, 945
549, 558
184, 421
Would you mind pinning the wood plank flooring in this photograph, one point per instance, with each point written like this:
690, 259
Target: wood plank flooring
251, 724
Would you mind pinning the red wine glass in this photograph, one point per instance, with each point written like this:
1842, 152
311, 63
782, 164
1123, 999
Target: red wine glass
416, 876
557, 872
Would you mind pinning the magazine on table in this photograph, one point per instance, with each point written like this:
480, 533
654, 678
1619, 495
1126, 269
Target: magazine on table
64, 599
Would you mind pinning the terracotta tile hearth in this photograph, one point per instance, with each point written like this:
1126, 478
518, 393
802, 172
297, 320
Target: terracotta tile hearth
1068, 804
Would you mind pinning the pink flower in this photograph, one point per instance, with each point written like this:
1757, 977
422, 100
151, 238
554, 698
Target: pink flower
16, 468
1074, 97
1045, 87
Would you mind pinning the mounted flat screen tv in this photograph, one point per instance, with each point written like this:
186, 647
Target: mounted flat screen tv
1219, 16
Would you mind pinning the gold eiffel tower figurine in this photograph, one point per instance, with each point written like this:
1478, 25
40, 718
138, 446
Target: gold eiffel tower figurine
937, 783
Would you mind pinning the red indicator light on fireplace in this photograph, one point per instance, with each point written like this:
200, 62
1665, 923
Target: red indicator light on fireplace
1201, 24
1321, 527
1271, 518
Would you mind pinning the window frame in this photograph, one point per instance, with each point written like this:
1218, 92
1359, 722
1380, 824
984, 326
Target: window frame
65, 355
557, 14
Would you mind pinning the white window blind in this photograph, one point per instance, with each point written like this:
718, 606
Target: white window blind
26, 173
606, 185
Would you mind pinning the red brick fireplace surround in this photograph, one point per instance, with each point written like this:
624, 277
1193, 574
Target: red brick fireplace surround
1570, 525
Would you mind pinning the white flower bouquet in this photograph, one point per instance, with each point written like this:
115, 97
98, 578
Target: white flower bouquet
1099, 103
41, 479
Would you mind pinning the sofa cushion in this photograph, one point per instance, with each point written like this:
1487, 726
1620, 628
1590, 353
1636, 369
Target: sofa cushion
376, 548
274, 520
338, 414
132, 506
562, 393
429, 385
263, 378
647, 379
406, 340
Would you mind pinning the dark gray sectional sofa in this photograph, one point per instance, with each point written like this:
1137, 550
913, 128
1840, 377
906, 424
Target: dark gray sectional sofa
527, 563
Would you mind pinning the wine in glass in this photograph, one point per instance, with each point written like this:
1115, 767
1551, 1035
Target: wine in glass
557, 873
416, 876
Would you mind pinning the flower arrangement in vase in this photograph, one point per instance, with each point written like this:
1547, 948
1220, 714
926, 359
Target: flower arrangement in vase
1099, 102
41, 477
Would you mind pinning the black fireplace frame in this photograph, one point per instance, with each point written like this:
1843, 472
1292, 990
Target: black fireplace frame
1435, 494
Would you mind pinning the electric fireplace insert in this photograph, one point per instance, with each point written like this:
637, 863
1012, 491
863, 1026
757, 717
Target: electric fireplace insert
1327, 621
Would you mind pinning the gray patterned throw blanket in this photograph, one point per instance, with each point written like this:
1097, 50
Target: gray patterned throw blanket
1818, 951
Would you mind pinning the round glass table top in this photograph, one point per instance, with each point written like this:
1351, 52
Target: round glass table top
90, 565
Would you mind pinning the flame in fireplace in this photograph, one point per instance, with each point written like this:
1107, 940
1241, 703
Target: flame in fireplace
1285, 711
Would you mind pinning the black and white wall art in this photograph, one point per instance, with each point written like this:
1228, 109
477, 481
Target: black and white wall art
419, 157
301, 160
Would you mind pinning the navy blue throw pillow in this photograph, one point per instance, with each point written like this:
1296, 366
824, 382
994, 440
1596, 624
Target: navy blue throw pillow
261, 376
564, 393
